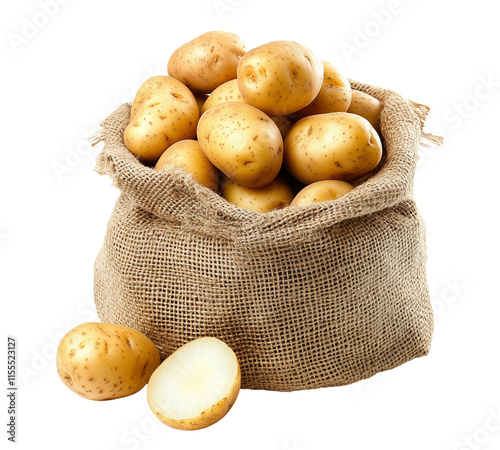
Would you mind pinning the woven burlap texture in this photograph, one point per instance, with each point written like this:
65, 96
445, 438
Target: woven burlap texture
309, 297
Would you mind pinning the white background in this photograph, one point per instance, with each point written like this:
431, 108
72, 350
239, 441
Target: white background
66, 70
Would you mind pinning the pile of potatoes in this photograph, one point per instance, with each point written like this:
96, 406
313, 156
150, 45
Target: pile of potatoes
268, 128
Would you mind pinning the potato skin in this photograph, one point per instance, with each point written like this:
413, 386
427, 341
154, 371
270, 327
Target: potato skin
366, 106
207, 61
164, 111
102, 361
275, 195
335, 146
227, 92
321, 191
280, 77
189, 155
242, 142
230, 92
334, 95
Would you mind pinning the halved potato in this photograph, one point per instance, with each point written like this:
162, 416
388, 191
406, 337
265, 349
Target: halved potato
196, 385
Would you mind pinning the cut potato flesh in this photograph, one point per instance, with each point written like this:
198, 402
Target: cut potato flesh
196, 385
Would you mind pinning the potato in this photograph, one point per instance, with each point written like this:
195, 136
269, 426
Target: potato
335, 146
276, 195
366, 106
164, 112
241, 141
321, 191
230, 92
103, 361
227, 92
207, 61
334, 95
280, 78
189, 155
196, 385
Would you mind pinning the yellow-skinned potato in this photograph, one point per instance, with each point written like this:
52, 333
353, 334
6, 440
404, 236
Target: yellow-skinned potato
196, 385
164, 111
207, 61
242, 142
227, 92
189, 155
321, 191
335, 146
280, 78
230, 92
366, 106
334, 95
102, 361
276, 195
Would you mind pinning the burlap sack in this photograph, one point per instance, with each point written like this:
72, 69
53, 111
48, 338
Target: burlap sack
308, 297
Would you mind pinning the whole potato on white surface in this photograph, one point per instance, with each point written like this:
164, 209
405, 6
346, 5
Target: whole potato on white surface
103, 361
